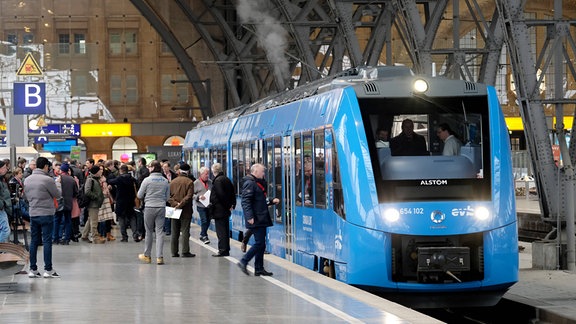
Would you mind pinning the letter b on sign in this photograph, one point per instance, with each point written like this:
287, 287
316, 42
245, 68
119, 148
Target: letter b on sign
29, 98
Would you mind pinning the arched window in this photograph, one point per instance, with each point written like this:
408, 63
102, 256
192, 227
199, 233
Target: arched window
123, 148
174, 141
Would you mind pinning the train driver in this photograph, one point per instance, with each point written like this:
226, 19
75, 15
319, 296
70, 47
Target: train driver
408, 142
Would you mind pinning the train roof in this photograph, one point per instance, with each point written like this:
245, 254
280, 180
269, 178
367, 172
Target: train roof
367, 81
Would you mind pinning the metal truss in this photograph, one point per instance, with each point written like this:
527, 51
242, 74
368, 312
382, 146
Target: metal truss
556, 186
324, 37
462, 39
152, 14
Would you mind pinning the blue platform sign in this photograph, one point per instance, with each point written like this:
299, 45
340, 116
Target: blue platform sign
72, 130
29, 98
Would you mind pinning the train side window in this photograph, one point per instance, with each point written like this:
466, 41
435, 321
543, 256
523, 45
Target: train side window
202, 157
277, 167
308, 169
195, 161
223, 159
269, 156
319, 172
337, 184
211, 156
259, 152
298, 168
241, 165
248, 159
235, 168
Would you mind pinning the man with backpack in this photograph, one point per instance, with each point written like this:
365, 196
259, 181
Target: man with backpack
93, 190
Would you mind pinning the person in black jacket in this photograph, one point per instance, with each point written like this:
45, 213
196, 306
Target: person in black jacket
408, 143
142, 172
223, 201
256, 217
125, 186
63, 218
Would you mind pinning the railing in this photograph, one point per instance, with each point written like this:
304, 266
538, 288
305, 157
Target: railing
525, 186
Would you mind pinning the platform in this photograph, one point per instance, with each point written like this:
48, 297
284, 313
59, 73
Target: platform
106, 283
552, 292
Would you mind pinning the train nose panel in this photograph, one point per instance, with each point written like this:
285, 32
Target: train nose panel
433, 259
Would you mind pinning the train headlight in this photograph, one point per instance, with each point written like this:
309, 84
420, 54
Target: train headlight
420, 86
482, 213
391, 214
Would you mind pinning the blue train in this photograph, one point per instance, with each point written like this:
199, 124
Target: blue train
426, 230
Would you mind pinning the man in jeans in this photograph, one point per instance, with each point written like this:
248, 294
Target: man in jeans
256, 217
41, 190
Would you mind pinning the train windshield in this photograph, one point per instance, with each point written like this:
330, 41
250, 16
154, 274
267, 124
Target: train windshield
429, 150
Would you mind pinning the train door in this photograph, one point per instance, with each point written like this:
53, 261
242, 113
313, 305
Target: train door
287, 195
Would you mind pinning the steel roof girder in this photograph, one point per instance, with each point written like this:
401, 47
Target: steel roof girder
532, 112
344, 13
180, 53
416, 42
214, 48
239, 49
301, 36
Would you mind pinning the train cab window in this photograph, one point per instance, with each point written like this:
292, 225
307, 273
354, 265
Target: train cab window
319, 172
434, 173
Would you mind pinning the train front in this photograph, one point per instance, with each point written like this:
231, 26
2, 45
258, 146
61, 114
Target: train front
446, 211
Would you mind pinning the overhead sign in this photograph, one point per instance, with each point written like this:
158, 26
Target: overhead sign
40, 135
72, 130
29, 98
29, 66
106, 130
516, 123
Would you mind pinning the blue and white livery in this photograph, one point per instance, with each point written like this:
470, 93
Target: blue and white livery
427, 230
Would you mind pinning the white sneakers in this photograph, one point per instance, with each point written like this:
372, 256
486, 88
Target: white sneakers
47, 274
51, 274
34, 274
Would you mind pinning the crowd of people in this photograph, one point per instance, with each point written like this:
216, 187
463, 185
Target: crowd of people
58, 198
